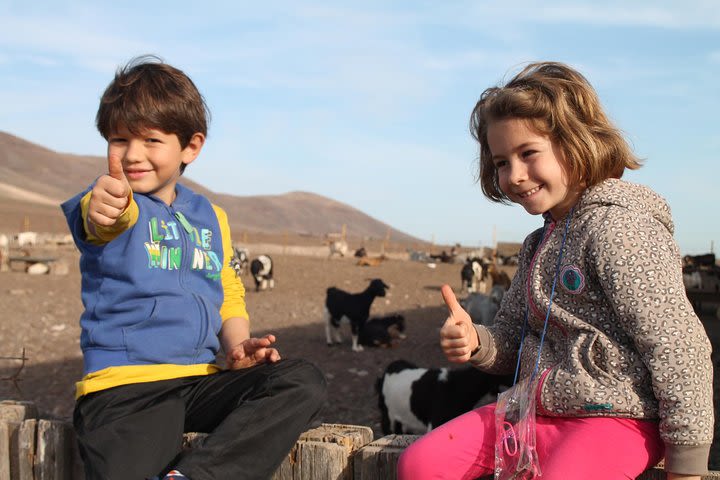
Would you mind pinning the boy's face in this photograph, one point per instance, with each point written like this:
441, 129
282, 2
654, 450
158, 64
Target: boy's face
151, 161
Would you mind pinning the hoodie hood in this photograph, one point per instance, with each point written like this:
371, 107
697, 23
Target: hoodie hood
631, 196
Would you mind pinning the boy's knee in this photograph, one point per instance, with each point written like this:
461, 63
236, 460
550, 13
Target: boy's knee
312, 379
306, 379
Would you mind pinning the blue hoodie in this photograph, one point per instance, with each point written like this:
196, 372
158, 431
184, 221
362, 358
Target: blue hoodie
153, 295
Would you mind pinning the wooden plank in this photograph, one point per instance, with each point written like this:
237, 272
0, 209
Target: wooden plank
193, 440
352, 437
14, 431
324, 452
26, 449
658, 473
53, 453
17, 411
320, 461
378, 460
5, 442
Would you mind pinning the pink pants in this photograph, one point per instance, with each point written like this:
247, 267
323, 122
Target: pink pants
595, 448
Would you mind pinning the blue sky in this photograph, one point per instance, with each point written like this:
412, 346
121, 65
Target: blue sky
368, 102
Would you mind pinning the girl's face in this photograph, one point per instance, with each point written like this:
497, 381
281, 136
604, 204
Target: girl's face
530, 168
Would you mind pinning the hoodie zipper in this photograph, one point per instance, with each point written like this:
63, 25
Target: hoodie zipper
528, 283
188, 249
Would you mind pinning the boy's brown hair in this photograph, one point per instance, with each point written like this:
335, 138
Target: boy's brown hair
148, 93
557, 101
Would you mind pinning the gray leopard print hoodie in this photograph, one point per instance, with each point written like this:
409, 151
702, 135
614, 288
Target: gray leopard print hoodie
622, 338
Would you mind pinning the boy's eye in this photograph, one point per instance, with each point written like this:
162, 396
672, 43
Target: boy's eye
153, 140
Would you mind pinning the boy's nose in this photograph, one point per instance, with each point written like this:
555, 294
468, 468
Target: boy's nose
133, 152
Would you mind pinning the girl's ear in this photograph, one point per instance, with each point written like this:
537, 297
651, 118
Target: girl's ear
193, 148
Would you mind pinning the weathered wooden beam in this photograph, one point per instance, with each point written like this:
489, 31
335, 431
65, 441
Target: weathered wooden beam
325, 452
378, 460
27, 439
17, 411
53, 452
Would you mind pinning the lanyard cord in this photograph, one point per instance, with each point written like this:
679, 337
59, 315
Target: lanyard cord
547, 314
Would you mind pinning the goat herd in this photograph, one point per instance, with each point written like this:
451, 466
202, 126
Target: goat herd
411, 399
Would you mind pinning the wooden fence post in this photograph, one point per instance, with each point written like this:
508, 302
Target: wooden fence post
53, 452
325, 452
26, 449
378, 460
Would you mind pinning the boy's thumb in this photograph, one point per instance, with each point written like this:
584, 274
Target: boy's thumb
115, 168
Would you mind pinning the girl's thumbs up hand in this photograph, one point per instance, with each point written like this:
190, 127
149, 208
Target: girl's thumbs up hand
458, 338
109, 195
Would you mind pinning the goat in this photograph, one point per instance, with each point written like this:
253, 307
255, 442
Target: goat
499, 277
692, 280
472, 275
706, 260
339, 247
415, 400
240, 260
262, 272
481, 307
371, 261
360, 252
353, 307
382, 331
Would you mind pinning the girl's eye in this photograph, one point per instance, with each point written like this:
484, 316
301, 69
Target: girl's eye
529, 153
500, 163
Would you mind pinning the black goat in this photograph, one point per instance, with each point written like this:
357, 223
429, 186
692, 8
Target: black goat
353, 307
382, 331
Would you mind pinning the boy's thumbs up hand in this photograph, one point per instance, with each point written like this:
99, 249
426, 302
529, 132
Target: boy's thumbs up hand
109, 195
115, 168
458, 337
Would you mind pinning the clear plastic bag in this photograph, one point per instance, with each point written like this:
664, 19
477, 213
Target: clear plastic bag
515, 449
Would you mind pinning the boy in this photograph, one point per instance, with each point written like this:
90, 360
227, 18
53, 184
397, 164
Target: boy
160, 300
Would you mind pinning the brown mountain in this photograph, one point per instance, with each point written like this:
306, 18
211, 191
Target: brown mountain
35, 180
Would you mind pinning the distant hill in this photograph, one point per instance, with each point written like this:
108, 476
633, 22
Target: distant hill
35, 180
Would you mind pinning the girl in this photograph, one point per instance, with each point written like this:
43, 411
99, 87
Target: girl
596, 312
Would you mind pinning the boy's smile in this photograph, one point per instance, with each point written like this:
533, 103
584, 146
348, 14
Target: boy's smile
530, 168
151, 160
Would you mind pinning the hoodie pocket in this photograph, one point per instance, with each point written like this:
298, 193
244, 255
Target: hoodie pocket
170, 335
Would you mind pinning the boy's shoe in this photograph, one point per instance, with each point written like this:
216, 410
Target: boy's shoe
174, 475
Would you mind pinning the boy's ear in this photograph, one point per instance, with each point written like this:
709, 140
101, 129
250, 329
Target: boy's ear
192, 150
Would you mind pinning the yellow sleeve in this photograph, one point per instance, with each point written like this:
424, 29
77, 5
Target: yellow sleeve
99, 235
233, 288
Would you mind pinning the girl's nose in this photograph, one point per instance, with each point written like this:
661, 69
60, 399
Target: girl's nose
518, 173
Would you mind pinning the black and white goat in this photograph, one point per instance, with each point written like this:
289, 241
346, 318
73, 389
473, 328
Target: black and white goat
262, 272
415, 400
353, 307
382, 331
472, 275
240, 260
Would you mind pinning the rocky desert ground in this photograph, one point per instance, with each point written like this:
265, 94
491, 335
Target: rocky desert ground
40, 318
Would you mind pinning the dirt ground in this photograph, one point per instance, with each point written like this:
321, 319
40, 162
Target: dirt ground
40, 315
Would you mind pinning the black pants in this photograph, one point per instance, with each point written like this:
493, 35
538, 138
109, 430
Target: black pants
253, 416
